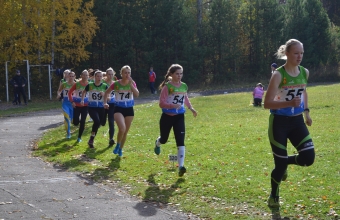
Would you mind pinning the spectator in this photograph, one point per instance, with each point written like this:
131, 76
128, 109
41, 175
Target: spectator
273, 66
19, 83
258, 94
12, 82
152, 79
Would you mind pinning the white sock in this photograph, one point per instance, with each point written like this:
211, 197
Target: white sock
157, 142
181, 155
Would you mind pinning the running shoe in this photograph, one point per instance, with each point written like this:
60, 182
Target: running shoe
79, 140
273, 203
115, 151
68, 136
157, 149
182, 171
90, 143
111, 142
120, 152
276, 215
285, 176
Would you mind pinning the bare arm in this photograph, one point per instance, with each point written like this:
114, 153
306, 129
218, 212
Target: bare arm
60, 89
308, 119
106, 96
134, 88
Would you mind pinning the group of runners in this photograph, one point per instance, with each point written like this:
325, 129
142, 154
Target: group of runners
286, 97
113, 100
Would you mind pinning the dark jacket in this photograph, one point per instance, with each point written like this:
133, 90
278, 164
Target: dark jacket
18, 80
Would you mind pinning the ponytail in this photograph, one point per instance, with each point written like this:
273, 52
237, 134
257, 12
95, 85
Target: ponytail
281, 52
167, 76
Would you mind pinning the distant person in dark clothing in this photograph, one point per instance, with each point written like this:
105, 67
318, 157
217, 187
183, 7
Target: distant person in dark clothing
273, 67
12, 82
19, 83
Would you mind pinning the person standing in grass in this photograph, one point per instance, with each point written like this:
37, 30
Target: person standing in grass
172, 99
66, 104
78, 109
152, 79
110, 78
287, 100
125, 91
258, 94
96, 109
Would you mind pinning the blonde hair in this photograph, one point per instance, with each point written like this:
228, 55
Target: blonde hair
84, 71
123, 68
66, 72
173, 68
281, 52
110, 69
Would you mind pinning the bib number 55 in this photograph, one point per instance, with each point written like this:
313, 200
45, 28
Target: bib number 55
291, 94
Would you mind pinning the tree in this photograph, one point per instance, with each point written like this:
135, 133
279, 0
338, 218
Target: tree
333, 10
222, 40
28, 29
317, 38
260, 24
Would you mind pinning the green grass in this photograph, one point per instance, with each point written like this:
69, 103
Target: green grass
38, 105
228, 159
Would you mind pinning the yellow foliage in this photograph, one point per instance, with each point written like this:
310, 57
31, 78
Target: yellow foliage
33, 29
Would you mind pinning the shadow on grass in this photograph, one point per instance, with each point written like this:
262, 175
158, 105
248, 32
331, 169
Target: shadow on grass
155, 194
105, 173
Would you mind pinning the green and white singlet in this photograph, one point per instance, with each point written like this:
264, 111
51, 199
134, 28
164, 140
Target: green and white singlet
95, 97
176, 95
78, 93
289, 88
66, 88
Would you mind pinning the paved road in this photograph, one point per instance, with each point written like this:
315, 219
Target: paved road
33, 189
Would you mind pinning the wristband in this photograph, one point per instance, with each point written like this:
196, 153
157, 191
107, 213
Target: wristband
306, 110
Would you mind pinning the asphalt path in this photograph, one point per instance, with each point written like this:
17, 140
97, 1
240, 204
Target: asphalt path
33, 189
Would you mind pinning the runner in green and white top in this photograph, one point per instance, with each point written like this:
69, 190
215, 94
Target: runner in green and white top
96, 109
172, 99
287, 99
79, 110
125, 91
66, 104
110, 79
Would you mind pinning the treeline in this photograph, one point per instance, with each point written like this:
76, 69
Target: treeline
216, 41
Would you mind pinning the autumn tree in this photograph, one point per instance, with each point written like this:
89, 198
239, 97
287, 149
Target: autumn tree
28, 30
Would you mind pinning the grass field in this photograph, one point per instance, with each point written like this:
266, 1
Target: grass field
228, 159
7, 109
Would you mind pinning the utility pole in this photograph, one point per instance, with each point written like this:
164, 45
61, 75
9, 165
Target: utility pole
28, 79
7, 80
